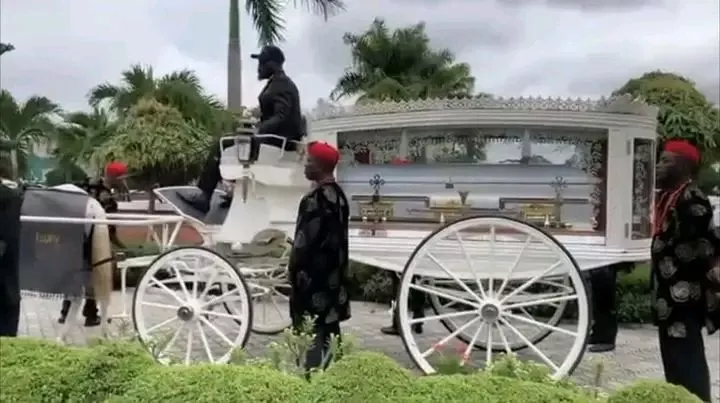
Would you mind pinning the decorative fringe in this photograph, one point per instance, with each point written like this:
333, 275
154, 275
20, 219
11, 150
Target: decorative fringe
42, 295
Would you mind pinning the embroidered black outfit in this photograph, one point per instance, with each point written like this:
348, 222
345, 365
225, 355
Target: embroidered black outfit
318, 265
686, 283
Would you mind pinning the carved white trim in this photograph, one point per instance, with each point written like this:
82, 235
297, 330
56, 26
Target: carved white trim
623, 104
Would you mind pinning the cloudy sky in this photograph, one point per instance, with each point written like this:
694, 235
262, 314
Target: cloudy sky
578, 48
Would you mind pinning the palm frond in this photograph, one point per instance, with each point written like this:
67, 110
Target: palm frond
323, 8
267, 19
103, 92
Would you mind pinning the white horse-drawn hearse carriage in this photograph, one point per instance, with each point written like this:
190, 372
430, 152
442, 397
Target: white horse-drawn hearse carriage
490, 209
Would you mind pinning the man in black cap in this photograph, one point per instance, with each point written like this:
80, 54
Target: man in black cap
280, 114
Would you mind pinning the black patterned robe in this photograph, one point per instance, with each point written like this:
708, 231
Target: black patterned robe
686, 276
318, 265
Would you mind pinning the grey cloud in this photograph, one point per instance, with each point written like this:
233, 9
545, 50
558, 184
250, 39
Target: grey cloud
587, 5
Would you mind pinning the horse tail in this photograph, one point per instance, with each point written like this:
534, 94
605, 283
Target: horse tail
102, 265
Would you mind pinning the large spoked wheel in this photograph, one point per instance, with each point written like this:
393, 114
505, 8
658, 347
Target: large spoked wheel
497, 272
549, 313
176, 307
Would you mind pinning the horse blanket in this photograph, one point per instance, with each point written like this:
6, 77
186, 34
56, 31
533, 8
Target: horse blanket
53, 255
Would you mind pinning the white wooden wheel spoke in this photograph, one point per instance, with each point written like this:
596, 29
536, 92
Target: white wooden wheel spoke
205, 344
159, 305
162, 324
180, 280
541, 301
522, 337
488, 343
168, 291
514, 266
442, 316
454, 277
171, 341
208, 284
450, 336
445, 295
491, 280
217, 331
469, 347
237, 317
471, 266
221, 298
532, 281
540, 324
504, 340
188, 348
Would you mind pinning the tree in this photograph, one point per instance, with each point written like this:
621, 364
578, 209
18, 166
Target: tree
399, 66
159, 146
268, 21
77, 138
684, 113
24, 124
6, 47
180, 90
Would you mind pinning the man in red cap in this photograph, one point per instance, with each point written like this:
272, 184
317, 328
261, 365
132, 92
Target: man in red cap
685, 280
318, 264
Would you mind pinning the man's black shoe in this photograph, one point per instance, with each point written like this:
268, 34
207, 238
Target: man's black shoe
196, 199
92, 321
390, 330
601, 348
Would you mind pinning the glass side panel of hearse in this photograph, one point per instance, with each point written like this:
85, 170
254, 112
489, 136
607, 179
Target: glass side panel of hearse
553, 178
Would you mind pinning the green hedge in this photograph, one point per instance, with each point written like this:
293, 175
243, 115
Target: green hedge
120, 372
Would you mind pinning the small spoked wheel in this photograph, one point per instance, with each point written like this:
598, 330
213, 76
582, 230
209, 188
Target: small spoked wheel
495, 284
176, 307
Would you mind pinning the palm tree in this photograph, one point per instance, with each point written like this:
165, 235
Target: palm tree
79, 136
267, 19
23, 125
400, 65
180, 89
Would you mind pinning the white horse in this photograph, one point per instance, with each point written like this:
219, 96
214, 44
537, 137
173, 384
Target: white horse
101, 263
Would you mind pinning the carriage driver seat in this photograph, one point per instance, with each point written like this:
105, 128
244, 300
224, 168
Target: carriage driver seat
269, 183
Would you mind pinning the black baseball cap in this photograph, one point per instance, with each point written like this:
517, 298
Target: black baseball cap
270, 53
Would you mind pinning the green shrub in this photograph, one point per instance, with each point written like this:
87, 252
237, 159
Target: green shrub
109, 369
362, 377
651, 392
37, 371
488, 388
208, 383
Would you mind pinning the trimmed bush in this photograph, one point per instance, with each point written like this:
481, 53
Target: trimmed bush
362, 377
653, 391
208, 383
490, 389
35, 371
109, 369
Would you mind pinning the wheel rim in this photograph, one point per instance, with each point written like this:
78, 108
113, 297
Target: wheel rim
513, 256
177, 317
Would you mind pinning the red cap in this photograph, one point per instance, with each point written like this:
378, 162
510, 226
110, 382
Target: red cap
116, 169
324, 152
684, 149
